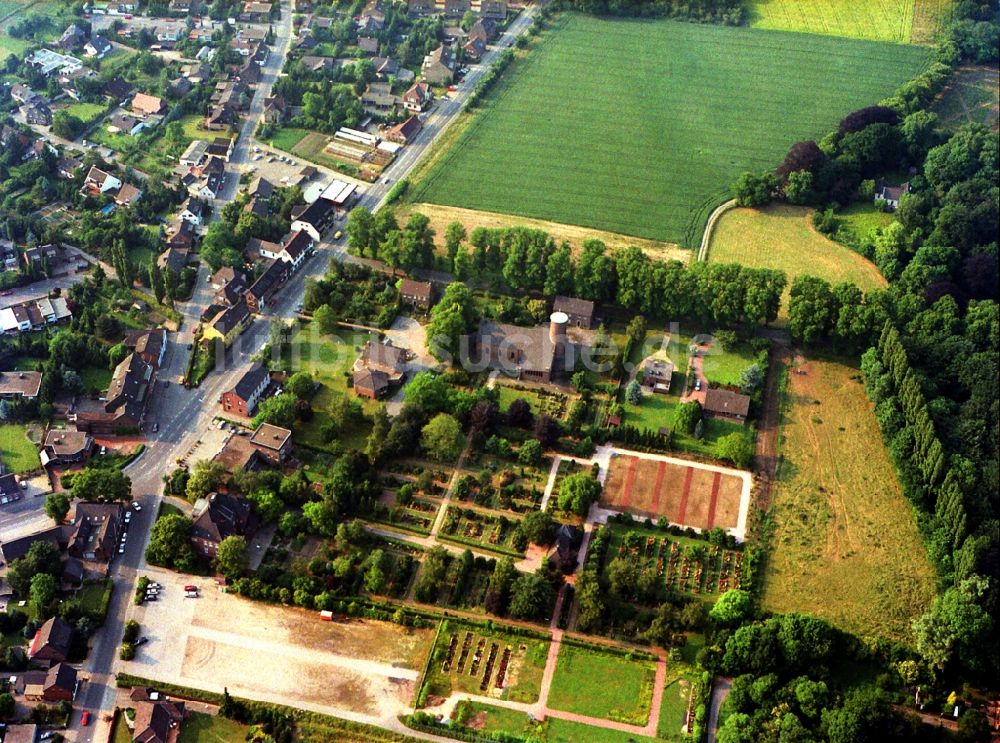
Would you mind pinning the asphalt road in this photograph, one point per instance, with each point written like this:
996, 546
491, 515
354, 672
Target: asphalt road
183, 415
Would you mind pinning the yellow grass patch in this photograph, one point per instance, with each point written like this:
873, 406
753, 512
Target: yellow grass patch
845, 546
782, 236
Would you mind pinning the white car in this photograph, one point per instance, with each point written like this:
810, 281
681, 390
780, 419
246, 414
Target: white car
128, 516
190, 594
136, 506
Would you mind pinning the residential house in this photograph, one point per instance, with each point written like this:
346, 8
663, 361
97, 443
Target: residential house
891, 195
261, 188
150, 345
180, 87
98, 47
405, 131
119, 90
124, 124
99, 181
20, 384
535, 354
275, 110
250, 72
726, 404
183, 7
15, 549
221, 147
418, 97
212, 186
58, 684
457, 8
238, 455
67, 167
368, 44
221, 117
232, 292
51, 643
192, 210
579, 311
21, 93
273, 442
494, 9
254, 12
97, 528
242, 399
378, 99
224, 516
658, 374
72, 38
49, 63
265, 286
38, 113
63, 447
421, 7
228, 324
147, 105
316, 218
125, 401
21, 734
158, 721
439, 66
380, 367
257, 248
474, 49
318, 64
127, 195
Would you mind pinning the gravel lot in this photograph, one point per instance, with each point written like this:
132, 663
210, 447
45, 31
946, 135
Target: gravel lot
282, 654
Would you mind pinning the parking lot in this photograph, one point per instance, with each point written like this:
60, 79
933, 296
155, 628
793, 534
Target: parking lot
275, 653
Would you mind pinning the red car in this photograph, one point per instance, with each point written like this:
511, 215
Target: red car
190, 588
85, 719
452, 88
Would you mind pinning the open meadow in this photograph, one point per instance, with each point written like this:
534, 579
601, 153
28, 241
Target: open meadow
844, 545
581, 685
653, 159
783, 236
972, 96
17, 452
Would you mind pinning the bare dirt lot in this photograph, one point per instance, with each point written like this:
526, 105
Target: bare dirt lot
221, 641
697, 495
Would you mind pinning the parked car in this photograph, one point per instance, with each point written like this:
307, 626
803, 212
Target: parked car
136, 506
141, 641
190, 587
85, 717
156, 427
128, 516
190, 594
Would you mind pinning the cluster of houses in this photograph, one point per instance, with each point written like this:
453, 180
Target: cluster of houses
34, 314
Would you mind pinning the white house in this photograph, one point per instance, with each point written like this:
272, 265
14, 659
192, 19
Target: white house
191, 210
101, 181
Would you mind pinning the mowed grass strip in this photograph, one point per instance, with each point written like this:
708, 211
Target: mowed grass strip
581, 685
881, 20
782, 236
845, 546
17, 452
641, 127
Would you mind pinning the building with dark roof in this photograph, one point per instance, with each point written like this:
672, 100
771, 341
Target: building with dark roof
266, 285
20, 384
316, 218
726, 404
63, 447
228, 324
405, 131
224, 516
58, 684
370, 383
242, 399
158, 721
238, 454
273, 442
150, 345
416, 293
52, 642
579, 311
97, 528
15, 549
21, 734
125, 400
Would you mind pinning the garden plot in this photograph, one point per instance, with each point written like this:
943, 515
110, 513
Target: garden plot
471, 659
687, 494
481, 530
683, 564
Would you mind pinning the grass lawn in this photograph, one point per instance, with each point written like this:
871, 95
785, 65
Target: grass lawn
581, 685
26, 363
565, 731
859, 219
202, 728
973, 95
783, 237
309, 145
287, 138
168, 509
96, 377
193, 128
122, 733
654, 159
327, 358
882, 20
489, 719
681, 673
845, 546
86, 112
91, 596
17, 452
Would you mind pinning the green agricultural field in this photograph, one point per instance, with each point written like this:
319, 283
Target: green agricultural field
581, 685
17, 452
882, 20
782, 236
570, 136
86, 112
